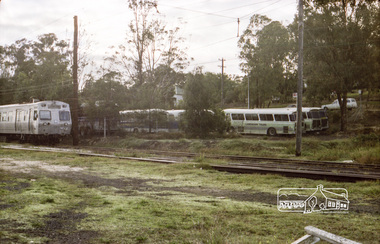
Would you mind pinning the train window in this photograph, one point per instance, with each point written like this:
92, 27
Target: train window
35, 116
64, 115
251, 117
237, 116
10, 116
45, 115
266, 117
4, 117
281, 117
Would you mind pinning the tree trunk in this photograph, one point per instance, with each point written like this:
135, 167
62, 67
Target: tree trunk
343, 111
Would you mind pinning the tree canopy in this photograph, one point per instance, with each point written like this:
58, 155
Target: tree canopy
36, 69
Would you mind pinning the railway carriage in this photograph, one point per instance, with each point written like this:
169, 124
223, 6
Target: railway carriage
262, 121
39, 121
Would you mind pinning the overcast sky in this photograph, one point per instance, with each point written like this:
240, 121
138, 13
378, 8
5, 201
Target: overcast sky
210, 30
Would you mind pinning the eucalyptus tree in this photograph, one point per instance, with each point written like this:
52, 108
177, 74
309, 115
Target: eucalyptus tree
39, 69
151, 55
264, 47
339, 47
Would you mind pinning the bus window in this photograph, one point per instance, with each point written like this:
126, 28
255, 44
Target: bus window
293, 117
266, 117
45, 115
315, 114
237, 116
322, 113
251, 117
281, 117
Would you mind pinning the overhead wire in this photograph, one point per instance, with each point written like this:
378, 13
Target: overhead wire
216, 14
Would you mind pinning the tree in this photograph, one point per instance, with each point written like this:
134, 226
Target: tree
339, 48
198, 118
151, 57
104, 97
39, 69
264, 48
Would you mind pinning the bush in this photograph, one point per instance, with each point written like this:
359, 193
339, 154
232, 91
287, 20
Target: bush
364, 140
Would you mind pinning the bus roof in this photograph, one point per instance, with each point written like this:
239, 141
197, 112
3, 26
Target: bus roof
260, 111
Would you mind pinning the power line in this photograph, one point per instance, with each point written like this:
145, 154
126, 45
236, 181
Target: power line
250, 14
214, 43
198, 11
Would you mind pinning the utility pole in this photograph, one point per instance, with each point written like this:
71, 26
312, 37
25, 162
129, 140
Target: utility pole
248, 91
300, 79
74, 109
222, 88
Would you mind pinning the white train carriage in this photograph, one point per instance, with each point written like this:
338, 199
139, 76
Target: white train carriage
262, 121
43, 120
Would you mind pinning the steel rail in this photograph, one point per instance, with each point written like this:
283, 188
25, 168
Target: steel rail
246, 159
292, 170
310, 174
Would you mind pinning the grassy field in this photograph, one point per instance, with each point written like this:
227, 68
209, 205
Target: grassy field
64, 198
362, 148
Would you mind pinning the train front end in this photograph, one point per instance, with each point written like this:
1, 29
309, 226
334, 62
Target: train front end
54, 119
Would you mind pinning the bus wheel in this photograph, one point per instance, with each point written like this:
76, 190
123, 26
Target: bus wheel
272, 131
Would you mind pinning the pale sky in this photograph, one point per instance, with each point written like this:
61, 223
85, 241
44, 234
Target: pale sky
210, 31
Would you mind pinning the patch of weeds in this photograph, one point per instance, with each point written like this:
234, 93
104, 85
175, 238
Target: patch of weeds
367, 155
199, 159
204, 165
106, 202
196, 146
143, 203
141, 239
47, 200
366, 140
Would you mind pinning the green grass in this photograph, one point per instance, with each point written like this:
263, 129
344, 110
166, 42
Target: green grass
362, 148
186, 203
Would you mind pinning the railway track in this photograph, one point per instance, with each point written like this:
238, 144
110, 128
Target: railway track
329, 170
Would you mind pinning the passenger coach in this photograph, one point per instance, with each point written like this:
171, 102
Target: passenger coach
38, 121
262, 121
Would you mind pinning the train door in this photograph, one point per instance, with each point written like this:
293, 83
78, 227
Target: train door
33, 121
18, 121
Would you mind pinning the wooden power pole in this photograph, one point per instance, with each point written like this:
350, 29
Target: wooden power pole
222, 86
300, 79
75, 107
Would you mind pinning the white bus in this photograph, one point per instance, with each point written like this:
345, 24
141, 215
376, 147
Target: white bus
149, 120
174, 117
315, 119
271, 121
